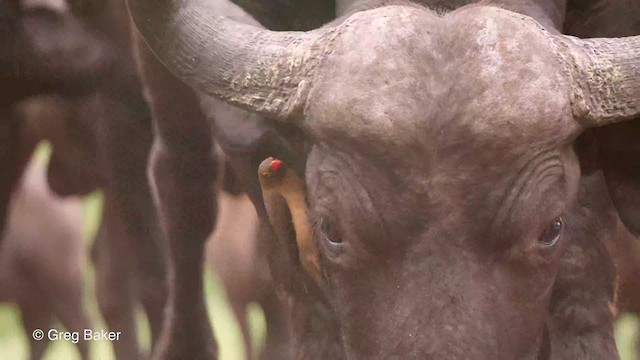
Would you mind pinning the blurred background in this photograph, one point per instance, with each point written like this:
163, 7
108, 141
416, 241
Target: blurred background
14, 341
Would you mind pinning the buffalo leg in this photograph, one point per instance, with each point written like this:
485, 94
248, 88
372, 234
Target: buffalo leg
127, 139
36, 316
70, 311
183, 172
114, 284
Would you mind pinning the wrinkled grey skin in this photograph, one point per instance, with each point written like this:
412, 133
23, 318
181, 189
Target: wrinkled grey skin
438, 184
475, 237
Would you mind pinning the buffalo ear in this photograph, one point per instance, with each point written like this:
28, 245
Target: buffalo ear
619, 159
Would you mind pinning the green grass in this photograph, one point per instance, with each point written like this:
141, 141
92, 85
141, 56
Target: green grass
626, 330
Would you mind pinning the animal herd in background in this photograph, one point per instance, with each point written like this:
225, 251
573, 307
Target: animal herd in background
115, 109
101, 140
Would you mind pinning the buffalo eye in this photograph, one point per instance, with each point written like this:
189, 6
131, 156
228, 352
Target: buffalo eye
551, 234
328, 232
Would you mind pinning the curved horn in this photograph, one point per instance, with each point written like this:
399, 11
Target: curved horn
259, 70
605, 75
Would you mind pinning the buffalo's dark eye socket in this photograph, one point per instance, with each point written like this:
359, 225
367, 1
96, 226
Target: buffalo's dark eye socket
328, 232
551, 234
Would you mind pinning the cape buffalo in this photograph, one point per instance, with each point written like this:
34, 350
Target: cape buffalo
438, 169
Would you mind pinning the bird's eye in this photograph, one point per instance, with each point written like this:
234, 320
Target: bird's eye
328, 232
551, 234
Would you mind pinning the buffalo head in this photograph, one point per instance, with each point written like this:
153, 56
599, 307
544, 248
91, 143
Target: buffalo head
442, 159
